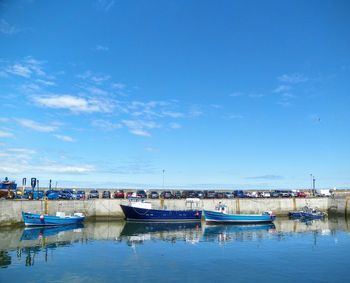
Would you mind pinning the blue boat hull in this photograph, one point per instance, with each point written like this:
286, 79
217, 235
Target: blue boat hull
158, 215
219, 217
32, 219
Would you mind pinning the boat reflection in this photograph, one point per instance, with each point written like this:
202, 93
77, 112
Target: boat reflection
137, 233
40, 232
225, 233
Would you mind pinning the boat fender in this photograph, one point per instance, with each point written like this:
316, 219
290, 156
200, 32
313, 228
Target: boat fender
197, 214
41, 217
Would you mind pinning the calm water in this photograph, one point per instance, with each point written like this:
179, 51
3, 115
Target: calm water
289, 251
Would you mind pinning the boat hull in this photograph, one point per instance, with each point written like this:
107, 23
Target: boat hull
219, 217
158, 215
32, 219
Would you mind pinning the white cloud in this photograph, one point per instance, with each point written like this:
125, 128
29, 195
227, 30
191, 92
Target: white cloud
19, 70
293, 78
236, 94
45, 83
282, 88
175, 126
105, 5
73, 103
235, 116
119, 86
106, 125
139, 127
30, 124
172, 114
101, 48
8, 29
5, 134
64, 138
26, 68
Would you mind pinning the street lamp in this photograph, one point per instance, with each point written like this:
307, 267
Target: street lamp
163, 179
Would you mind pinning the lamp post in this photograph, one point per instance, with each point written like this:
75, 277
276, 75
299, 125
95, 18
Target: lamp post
163, 179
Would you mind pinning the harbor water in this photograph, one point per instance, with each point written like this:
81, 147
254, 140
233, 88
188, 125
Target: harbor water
116, 251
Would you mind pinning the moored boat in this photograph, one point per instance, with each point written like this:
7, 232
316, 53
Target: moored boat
33, 219
307, 213
220, 215
139, 210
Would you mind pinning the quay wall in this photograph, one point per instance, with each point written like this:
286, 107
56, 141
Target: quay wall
10, 210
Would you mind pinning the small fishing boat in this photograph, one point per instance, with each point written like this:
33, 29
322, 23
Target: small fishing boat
307, 213
139, 210
220, 215
32, 219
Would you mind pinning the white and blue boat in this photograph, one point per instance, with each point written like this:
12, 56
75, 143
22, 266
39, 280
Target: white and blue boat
307, 213
139, 210
32, 219
220, 215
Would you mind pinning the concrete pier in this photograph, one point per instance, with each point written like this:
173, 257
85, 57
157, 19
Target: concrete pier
10, 210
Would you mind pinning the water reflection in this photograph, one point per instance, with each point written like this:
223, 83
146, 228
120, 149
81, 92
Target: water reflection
137, 233
23, 245
224, 233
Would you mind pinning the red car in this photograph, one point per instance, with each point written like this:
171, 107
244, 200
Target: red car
301, 194
119, 194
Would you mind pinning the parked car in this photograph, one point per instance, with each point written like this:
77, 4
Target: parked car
188, 194
276, 194
141, 194
266, 194
177, 195
94, 194
130, 195
228, 195
52, 194
210, 194
239, 194
119, 194
287, 194
166, 195
153, 195
219, 195
106, 194
81, 194
199, 194
301, 194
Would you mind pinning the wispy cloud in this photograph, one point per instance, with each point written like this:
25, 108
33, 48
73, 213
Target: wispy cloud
30, 124
294, 78
6, 134
266, 177
73, 103
282, 88
65, 138
175, 125
139, 127
7, 28
106, 125
26, 68
105, 5
101, 48
235, 116
236, 94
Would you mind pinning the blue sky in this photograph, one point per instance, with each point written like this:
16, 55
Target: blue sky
219, 94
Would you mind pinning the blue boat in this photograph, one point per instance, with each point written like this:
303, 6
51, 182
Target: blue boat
307, 213
32, 219
143, 211
221, 216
